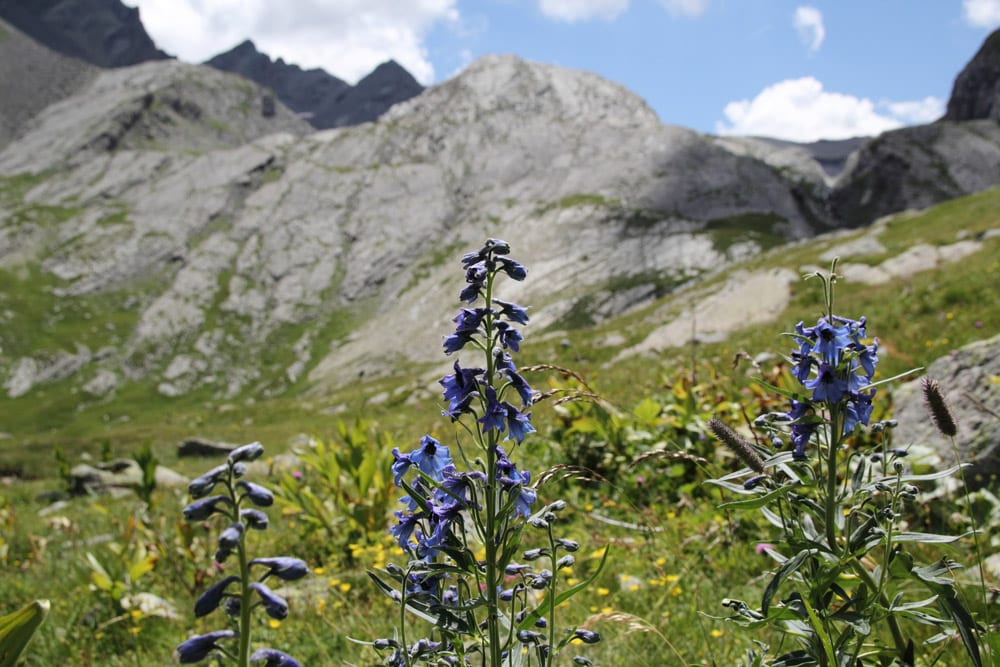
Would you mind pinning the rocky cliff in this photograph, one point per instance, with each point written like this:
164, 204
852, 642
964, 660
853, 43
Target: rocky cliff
104, 33
33, 77
976, 93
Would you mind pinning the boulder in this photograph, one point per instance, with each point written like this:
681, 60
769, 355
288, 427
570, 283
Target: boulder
202, 447
969, 378
116, 477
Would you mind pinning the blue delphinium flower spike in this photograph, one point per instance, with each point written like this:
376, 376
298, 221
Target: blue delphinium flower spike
198, 648
273, 658
284, 567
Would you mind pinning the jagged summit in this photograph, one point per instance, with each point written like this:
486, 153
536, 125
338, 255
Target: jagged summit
497, 83
976, 93
303, 91
386, 85
105, 33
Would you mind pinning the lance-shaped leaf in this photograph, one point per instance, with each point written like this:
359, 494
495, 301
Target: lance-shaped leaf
17, 628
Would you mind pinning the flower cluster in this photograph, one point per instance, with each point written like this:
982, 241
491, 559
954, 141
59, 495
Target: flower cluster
462, 529
833, 363
844, 549
250, 594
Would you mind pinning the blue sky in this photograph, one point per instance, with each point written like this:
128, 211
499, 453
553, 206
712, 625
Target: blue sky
794, 70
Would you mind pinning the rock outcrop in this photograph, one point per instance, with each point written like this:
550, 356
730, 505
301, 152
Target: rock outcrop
916, 167
105, 33
33, 77
976, 93
970, 381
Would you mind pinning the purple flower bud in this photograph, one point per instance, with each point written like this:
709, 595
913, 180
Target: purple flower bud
254, 519
232, 607
250, 452
284, 568
513, 269
230, 538
512, 311
587, 636
273, 658
274, 605
201, 509
211, 598
566, 561
202, 486
568, 545
198, 648
258, 495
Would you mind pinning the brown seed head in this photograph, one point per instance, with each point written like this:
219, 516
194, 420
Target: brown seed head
938, 408
739, 445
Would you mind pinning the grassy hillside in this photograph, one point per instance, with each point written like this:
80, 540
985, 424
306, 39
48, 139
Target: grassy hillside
676, 554
917, 319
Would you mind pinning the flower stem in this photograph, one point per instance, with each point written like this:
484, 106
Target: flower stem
243, 656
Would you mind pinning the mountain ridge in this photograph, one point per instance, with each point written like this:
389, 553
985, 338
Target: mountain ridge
235, 253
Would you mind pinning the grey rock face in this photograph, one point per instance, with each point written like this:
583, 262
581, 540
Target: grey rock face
116, 477
976, 93
104, 33
33, 78
968, 378
151, 107
916, 167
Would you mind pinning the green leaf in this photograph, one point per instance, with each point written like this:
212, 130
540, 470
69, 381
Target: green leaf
787, 568
141, 567
17, 628
794, 395
760, 500
937, 577
647, 412
924, 538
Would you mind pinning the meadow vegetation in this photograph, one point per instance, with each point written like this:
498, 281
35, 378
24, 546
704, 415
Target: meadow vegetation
628, 446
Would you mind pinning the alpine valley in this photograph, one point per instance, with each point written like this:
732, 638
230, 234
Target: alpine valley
173, 234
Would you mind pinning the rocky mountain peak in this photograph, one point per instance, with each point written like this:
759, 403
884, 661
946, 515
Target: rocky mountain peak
303, 91
498, 83
105, 33
976, 93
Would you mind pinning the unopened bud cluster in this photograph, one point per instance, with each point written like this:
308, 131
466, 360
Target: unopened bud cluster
236, 593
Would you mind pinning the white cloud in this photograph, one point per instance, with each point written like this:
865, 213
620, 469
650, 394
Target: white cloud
347, 38
808, 22
917, 112
582, 10
800, 110
981, 13
692, 8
